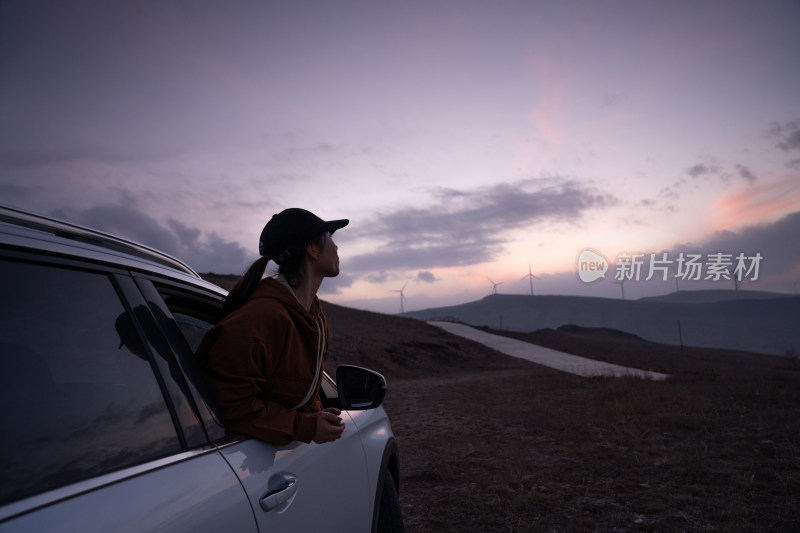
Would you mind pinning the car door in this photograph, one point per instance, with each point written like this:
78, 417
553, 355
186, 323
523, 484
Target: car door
91, 442
298, 487
305, 487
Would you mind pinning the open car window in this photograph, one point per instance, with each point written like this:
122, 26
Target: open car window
194, 314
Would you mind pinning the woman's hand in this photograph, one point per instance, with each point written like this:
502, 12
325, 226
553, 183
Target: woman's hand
329, 425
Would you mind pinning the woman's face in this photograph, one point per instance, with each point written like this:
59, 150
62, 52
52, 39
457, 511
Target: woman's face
328, 258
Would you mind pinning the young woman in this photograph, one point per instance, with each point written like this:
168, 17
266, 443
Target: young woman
264, 359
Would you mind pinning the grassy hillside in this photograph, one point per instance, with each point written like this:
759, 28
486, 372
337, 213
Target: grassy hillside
493, 443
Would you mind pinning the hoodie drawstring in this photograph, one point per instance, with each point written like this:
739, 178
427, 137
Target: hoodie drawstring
320, 351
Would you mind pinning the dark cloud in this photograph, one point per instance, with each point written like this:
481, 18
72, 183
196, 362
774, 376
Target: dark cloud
466, 227
746, 173
670, 193
701, 170
377, 277
335, 285
209, 254
15, 194
787, 135
776, 242
187, 236
776, 270
792, 141
426, 277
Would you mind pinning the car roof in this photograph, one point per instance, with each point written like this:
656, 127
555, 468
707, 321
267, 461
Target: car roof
24, 229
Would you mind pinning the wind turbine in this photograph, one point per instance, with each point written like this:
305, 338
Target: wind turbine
402, 296
676, 276
494, 285
530, 276
621, 284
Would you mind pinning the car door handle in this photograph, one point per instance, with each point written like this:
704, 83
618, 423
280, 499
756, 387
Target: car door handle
276, 498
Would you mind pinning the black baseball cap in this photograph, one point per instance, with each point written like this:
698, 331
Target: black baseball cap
290, 230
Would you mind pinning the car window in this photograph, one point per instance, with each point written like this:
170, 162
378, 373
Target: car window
193, 329
193, 313
78, 394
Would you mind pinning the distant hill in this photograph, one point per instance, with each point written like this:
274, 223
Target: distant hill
700, 297
760, 324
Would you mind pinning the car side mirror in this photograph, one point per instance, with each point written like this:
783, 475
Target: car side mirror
359, 388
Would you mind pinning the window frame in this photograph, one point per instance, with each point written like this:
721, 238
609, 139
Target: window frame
152, 289
168, 370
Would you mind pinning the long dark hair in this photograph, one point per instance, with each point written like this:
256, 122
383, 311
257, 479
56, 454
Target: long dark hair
293, 269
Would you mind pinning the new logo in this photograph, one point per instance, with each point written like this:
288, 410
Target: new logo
591, 266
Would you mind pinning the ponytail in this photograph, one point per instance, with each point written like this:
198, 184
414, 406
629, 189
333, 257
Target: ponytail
244, 286
292, 268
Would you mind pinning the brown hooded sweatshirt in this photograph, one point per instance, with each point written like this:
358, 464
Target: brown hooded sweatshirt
264, 365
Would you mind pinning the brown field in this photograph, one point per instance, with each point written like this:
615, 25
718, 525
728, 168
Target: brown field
492, 443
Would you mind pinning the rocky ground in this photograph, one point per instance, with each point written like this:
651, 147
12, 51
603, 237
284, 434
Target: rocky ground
492, 443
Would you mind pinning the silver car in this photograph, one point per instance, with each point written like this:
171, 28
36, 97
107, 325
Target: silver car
107, 423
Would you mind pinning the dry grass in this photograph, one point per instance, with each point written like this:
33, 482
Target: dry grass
492, 443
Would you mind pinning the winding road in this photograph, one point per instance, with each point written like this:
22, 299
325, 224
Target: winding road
565, 362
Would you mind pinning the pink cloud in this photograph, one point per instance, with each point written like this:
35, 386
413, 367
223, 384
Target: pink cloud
545, 117
756, 204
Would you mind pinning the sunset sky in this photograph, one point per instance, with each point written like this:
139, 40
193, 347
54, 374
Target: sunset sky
464, 140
